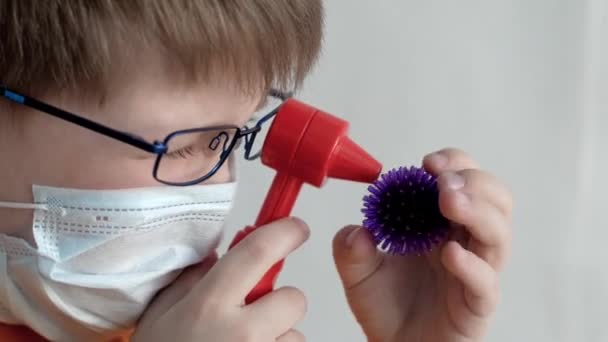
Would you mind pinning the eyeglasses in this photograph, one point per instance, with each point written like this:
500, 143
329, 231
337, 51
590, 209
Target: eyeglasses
185, 157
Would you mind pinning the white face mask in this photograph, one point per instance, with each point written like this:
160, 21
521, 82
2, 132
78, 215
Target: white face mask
101, 256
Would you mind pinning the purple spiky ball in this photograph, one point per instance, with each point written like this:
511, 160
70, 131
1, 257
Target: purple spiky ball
402, 212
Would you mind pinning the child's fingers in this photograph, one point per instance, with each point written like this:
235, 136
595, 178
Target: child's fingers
483, 221
448, 159
480, 184
239, 270
292, 336
283, 307
191, 275
450, 163
481, 291
173, 293
355, 255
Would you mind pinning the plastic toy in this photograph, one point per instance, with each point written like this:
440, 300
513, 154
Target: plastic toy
304, 145
402, 212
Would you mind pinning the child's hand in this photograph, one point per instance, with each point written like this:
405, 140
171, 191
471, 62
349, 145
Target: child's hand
450, 294
209, 307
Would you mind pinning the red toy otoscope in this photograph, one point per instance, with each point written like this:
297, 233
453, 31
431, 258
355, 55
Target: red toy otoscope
304, 145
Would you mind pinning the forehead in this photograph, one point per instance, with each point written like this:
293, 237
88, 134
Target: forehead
164, 107
152, 105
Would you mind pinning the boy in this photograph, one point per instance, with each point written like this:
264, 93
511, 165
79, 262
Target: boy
118, 123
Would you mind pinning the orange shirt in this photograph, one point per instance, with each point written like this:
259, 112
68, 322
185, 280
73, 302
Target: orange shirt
18, 333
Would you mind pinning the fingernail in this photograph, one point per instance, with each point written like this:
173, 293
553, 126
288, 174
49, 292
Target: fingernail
351, 237
453, 180
301, 224
438, 159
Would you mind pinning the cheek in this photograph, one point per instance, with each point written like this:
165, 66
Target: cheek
224, 175
54, 153
110, 173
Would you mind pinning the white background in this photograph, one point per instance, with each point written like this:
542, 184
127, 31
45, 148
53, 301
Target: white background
521, 85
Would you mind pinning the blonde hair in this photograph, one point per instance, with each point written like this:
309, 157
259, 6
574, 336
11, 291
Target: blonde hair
70, 44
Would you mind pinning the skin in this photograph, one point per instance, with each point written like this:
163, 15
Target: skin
448, 296
206, 302
41, 149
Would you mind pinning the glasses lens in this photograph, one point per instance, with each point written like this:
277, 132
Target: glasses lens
257, 141
192, 156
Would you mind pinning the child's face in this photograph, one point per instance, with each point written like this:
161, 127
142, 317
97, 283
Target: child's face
41, 149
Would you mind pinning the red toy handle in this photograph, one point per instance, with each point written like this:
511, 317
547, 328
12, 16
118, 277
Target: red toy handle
266, 284
278, 204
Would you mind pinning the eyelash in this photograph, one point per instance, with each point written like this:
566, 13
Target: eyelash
181, 153
189, 151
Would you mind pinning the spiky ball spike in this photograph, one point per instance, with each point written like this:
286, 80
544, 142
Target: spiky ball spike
402, 212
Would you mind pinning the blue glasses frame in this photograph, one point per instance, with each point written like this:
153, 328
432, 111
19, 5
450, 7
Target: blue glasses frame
158, 147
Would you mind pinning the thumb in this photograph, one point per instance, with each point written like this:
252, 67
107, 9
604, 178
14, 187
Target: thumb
177, 290
355, 255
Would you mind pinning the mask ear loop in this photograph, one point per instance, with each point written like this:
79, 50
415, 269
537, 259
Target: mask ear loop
14, 205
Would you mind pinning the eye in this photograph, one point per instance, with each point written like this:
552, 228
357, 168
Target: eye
208, 144
183, 153
195, 154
